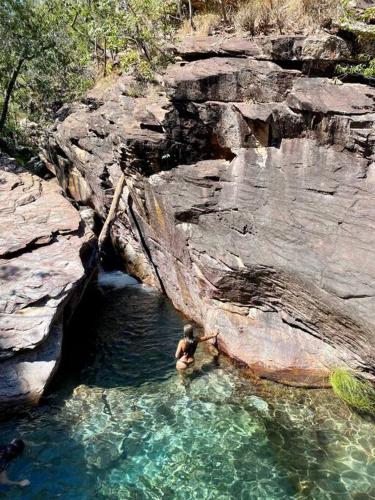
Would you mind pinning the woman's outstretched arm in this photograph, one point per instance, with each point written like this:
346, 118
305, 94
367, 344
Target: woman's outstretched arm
208, 337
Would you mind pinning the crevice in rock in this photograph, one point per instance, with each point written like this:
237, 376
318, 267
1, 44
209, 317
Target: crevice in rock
153, 127
91, 103
75, 142
144, 244
100, 135
34, 245
105, 183
299, 325
321, 191
219, 152
193, 57
354, 296
357, 78
286, 64
30, 247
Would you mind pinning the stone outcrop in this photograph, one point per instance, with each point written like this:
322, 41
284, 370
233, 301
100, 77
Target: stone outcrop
322, 48
249, 198
46, 257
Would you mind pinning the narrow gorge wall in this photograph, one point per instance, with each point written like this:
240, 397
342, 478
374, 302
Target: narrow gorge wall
249, 199
47, 255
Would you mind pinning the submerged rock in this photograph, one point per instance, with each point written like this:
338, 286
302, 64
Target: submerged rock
46, 257
249, 197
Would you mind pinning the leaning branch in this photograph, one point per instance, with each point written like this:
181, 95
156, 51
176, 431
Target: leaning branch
112, 212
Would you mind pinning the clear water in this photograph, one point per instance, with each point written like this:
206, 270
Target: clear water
122, 424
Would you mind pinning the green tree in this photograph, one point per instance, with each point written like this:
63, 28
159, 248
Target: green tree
136, 29
41, 55
52, 50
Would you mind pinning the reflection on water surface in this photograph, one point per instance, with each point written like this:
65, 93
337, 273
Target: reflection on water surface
124, 425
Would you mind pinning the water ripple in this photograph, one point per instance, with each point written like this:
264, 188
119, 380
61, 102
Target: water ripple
125, 425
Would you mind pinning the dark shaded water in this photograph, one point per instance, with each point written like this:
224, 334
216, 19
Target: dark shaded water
122, 424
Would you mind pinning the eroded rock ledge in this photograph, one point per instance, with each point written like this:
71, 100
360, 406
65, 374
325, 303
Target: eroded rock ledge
249, 199
46, 257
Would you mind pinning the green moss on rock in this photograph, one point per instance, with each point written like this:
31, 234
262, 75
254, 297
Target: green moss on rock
354, 390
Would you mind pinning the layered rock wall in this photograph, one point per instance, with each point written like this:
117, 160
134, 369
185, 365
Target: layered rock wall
46, 257
249, 198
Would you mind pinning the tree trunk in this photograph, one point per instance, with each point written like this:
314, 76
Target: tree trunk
224, 12
179, 9
9, 92
191, 16
112, 212
105, 57
97, 56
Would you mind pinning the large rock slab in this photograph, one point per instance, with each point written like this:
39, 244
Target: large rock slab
46, 257
324, 47
249, 200
228, 79
320, 95
272, 249
86, 156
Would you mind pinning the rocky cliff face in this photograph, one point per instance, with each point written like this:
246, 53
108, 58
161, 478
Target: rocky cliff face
249, 199
46, 256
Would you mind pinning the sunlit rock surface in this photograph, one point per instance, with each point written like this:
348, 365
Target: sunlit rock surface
313, 48
249, 196
46, 255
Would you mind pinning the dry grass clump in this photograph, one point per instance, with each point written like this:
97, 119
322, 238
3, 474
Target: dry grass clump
255, 16
262, 17
204, 24
356, 391
285, 16
316, 14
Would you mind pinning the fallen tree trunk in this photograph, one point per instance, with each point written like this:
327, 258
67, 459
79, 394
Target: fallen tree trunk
112, 212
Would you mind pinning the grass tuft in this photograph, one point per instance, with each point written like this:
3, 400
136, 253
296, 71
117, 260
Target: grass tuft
204, 24
285, 16
352, 388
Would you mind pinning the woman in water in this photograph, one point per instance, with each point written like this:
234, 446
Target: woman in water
8, 453
187, 346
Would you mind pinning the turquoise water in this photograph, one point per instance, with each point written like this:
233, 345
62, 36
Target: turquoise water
122, 424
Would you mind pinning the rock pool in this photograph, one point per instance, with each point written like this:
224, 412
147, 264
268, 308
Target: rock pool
122, 424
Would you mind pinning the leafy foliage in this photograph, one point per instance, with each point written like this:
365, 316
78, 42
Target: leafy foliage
52, 51
359, 23
354, 390
39, 51
366, 69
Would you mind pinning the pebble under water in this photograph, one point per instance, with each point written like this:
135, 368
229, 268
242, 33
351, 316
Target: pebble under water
122, 424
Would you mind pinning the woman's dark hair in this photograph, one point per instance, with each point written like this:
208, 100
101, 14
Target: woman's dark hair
16, 447
189, 332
